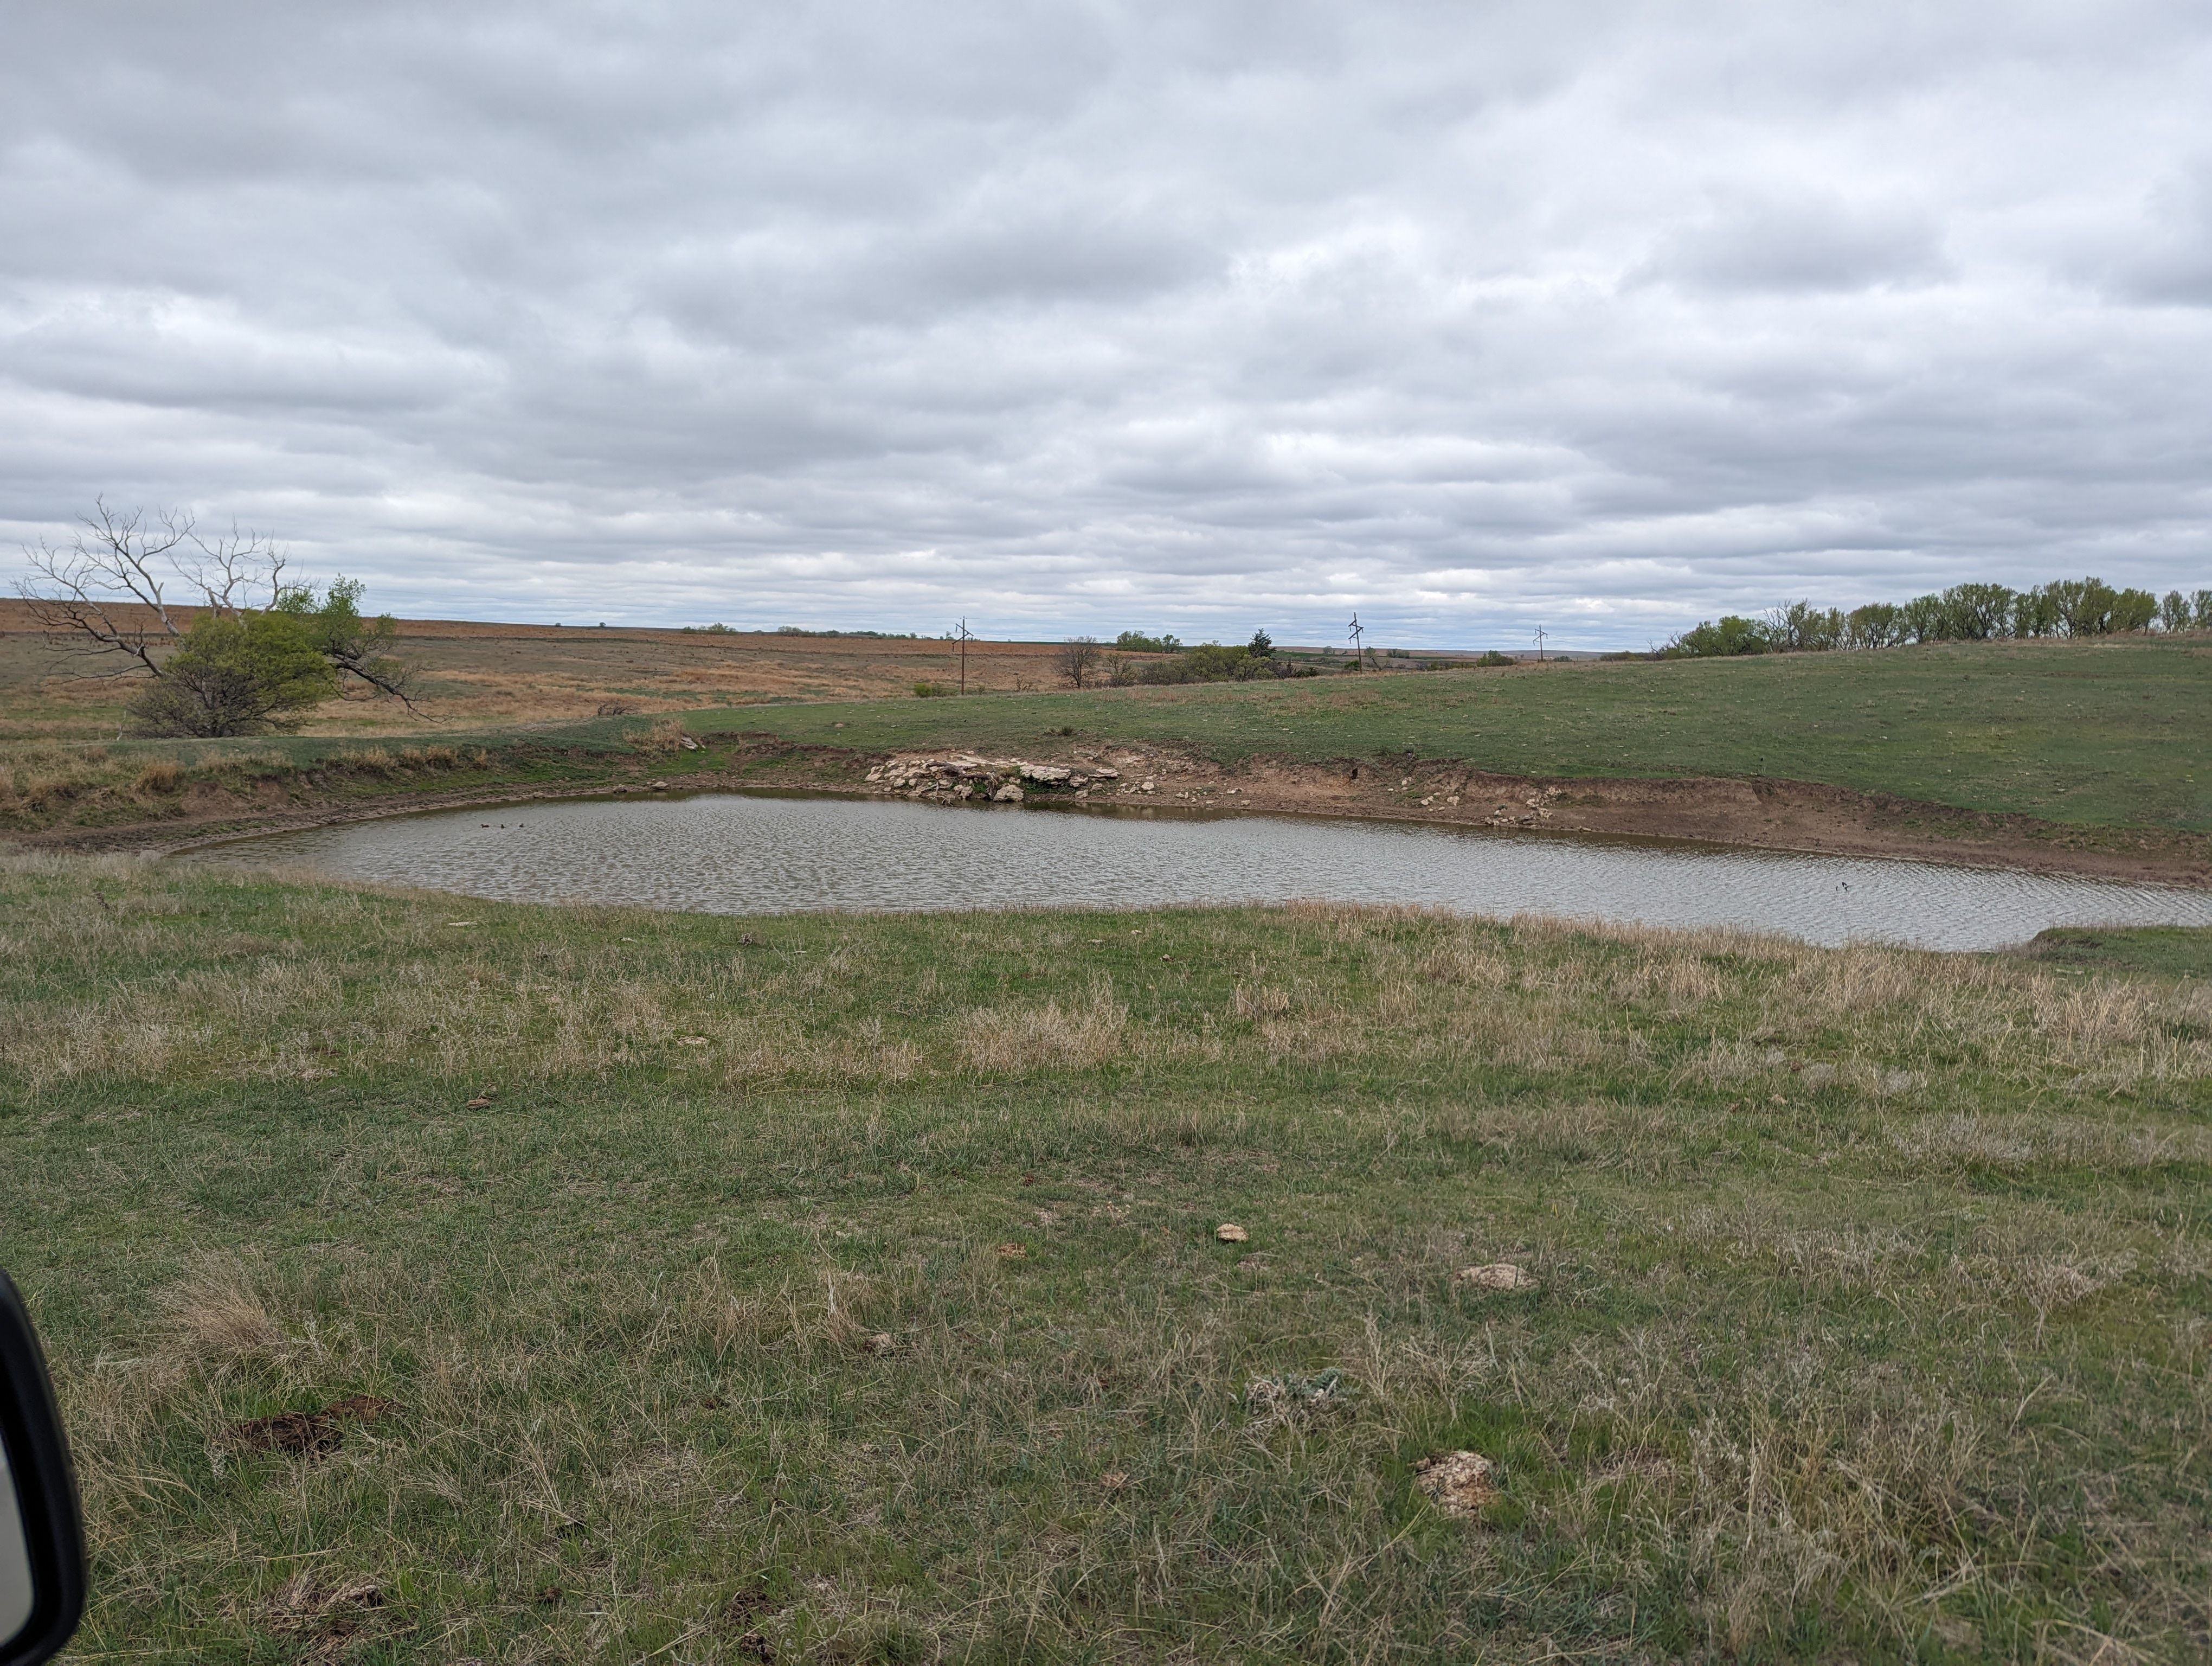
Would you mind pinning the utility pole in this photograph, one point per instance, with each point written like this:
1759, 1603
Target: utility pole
963, 653
1540, 645
1355, 643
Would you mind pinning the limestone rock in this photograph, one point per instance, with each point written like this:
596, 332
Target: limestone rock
1273, 1400
1498, 1275
1460, 1483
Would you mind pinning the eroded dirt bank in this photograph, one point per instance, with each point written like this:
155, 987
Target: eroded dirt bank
1782, 815
1765, 813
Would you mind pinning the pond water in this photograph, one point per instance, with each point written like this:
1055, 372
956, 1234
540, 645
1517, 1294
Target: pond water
771, 853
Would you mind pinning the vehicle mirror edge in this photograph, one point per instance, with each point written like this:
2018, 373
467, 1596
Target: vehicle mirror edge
44, 1484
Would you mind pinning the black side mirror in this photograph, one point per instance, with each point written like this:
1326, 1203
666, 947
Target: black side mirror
41, 1531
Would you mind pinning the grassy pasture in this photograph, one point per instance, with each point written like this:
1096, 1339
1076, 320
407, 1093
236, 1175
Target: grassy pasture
2113, 734
2159, 951
846, 1288
2109, 734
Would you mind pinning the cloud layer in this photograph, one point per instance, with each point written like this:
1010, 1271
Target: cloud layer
1600, 316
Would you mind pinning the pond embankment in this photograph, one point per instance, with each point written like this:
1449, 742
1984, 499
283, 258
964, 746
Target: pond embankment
1758, 812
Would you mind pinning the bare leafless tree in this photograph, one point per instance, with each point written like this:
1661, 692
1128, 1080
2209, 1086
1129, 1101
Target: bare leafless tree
1076, 659
107, 592
125, 588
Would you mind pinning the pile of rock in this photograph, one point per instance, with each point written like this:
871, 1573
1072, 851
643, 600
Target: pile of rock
1001, 780
1538, 813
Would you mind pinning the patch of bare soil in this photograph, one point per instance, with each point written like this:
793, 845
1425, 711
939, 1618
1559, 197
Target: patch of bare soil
307, 1434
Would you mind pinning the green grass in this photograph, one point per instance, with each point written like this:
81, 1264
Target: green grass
2156, 951
1872, 1322
2091, 735
2115, 733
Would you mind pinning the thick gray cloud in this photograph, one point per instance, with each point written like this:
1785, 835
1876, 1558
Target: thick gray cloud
1467, 316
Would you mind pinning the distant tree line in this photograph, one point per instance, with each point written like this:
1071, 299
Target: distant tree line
720, 630
1083, 661
1964, 613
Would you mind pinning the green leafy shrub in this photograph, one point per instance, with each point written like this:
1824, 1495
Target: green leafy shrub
236, 674
1732, 636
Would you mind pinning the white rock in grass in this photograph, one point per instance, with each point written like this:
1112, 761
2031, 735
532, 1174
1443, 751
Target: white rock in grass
1498, 1275
1460, 1483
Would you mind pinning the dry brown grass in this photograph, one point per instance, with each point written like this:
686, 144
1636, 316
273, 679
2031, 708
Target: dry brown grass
1016, 1040
1754, 1016
472, 674
214, 1318
666, 735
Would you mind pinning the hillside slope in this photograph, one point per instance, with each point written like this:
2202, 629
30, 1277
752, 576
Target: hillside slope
2115, 733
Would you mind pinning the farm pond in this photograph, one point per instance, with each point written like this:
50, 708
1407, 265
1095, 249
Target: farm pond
768, 853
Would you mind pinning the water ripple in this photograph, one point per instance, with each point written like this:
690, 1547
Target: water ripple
763, 854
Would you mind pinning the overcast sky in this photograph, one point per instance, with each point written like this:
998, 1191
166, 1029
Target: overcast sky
1084, 317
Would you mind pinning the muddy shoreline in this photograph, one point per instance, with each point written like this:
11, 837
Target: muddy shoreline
1761, 814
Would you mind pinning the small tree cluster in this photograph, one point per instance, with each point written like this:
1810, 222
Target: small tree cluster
1965, 613
1076, 661
1209, 662
245, 654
